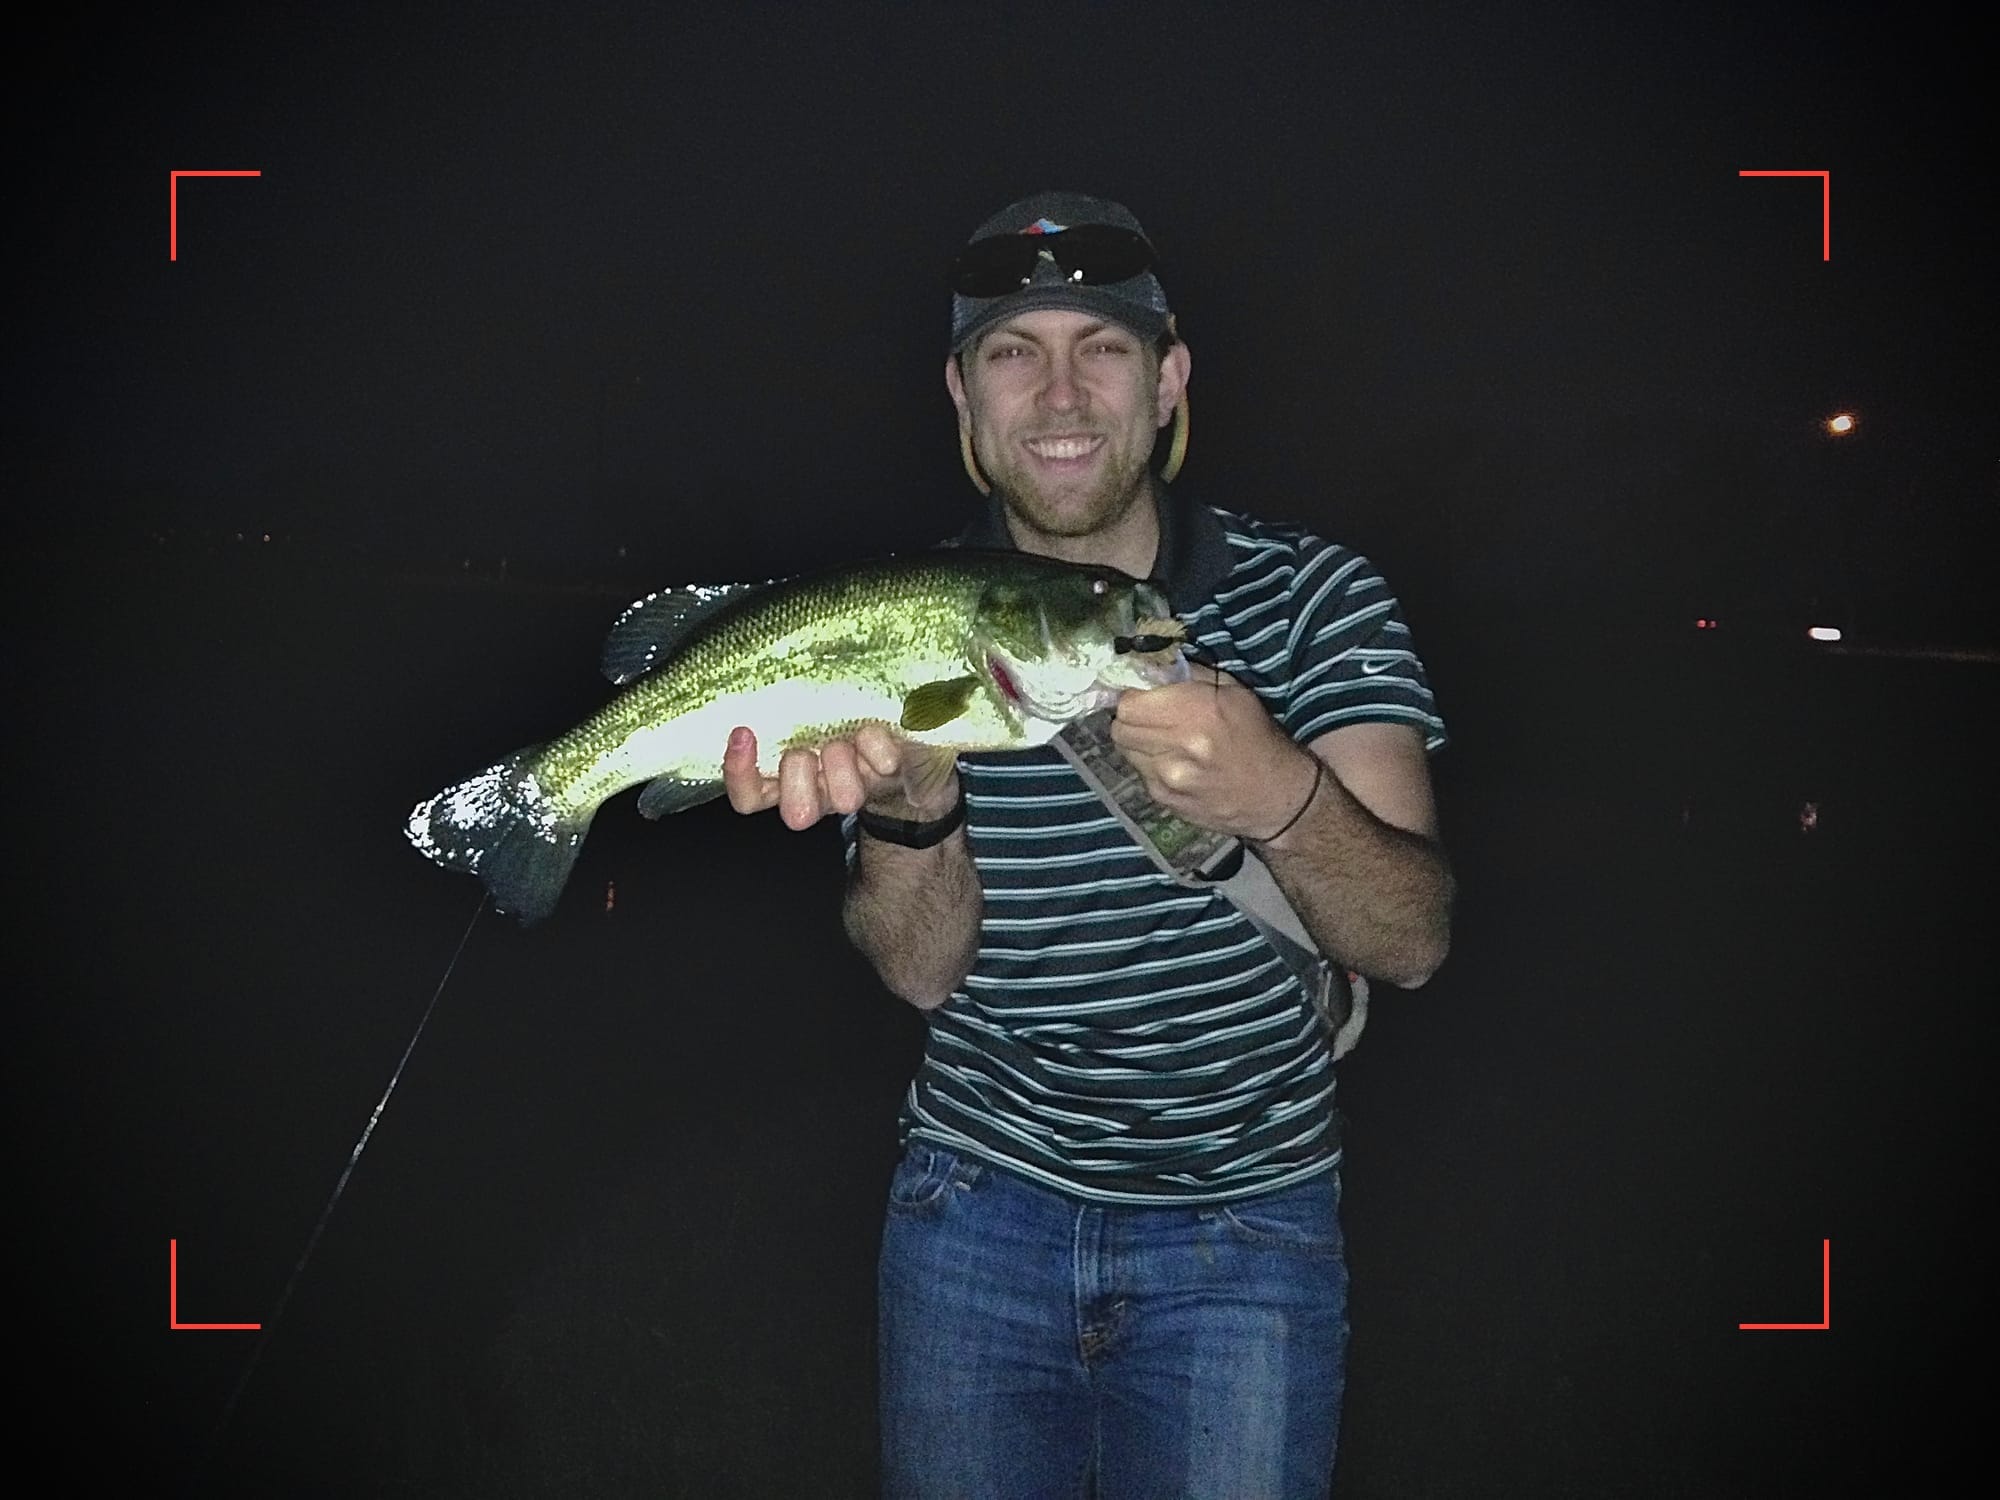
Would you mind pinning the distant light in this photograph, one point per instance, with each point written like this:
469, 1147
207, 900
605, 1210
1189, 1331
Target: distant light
1707, 622
1824, 632
1840, 423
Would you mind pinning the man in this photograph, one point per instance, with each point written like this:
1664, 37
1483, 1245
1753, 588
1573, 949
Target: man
1113, 1253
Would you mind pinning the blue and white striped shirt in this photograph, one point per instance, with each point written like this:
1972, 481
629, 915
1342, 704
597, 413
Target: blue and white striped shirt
1122, 1038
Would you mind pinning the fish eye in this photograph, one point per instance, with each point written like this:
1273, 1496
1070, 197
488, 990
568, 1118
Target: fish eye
1100, 586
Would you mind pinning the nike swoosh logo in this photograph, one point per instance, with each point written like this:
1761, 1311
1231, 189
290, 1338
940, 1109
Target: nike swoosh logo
1379, 665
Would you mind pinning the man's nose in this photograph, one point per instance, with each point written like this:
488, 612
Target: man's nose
1062, 391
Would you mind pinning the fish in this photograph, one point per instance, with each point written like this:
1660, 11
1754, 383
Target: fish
953, 651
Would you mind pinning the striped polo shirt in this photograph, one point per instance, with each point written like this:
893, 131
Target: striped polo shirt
1122, 1038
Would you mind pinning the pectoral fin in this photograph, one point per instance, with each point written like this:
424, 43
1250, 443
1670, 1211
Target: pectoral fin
936, 704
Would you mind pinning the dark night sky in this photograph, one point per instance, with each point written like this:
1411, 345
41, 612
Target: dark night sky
1473, 288
1460, 281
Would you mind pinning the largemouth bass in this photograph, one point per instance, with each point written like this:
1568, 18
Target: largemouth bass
953, 650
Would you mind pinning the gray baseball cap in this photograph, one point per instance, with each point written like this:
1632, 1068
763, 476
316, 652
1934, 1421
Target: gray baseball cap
1137, 302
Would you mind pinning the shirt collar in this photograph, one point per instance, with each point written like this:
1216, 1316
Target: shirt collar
1192, 561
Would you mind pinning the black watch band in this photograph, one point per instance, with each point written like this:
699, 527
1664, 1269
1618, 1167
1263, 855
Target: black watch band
914, 833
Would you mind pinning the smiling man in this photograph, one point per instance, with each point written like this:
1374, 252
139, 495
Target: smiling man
1113, 1253
1068, 406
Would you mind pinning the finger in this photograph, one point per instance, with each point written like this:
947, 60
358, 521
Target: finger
748, 789
800, 800
840, 769
1165, 779
1142, 742
1203, 682
1168, 770
880, 750
1164, 705
1145, 757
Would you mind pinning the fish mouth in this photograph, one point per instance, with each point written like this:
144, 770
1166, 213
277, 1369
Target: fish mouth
1085, 688
1030, 694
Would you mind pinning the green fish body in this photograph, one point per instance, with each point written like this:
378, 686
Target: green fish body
954, 650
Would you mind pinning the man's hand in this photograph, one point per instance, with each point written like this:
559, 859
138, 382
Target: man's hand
1210, 752
913, 913
871, 768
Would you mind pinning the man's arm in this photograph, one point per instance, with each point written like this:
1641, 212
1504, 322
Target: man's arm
1362, 864
913, 913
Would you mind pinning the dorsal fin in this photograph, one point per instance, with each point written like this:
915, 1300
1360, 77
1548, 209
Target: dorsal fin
651, 628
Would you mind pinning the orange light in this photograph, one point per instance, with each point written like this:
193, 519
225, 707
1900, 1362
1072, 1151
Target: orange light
1841, 424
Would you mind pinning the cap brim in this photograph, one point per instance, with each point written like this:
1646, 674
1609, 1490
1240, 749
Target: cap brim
1098, 301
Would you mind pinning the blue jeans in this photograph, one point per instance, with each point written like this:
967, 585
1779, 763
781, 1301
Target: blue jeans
1032, 1344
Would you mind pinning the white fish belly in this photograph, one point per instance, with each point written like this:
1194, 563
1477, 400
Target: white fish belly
692, 745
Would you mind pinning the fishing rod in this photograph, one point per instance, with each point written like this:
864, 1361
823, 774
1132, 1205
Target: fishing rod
312, 1240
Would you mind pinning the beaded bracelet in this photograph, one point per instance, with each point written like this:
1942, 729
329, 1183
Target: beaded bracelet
1319, 775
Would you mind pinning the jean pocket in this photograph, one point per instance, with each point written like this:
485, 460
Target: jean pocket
923, 1177
1304, 1218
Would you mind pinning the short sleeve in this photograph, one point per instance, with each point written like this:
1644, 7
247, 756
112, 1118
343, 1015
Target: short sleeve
1352, 658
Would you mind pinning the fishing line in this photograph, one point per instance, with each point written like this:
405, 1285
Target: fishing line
1202, 655
312, 1240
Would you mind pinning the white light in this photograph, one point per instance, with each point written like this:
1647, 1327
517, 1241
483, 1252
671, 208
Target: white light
1824, 633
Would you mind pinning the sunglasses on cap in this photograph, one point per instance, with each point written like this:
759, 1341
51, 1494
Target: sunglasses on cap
1088, 255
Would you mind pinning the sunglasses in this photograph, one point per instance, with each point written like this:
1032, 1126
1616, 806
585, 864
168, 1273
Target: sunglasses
1089, 255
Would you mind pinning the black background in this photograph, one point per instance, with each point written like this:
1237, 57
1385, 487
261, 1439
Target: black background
535, 309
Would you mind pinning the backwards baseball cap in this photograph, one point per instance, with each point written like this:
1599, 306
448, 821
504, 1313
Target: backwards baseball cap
1066, 250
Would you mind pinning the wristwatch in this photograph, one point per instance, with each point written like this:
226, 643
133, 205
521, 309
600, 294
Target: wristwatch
914, 833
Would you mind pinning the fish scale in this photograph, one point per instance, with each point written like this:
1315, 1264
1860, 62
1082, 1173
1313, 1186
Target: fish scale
953, 650
884, 632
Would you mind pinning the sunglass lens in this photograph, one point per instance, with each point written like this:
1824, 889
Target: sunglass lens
1090, 254
996, 266
1096, 254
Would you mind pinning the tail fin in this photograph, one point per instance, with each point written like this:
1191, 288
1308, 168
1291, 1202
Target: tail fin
504, 826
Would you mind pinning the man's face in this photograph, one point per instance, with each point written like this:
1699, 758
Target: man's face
1062, 407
